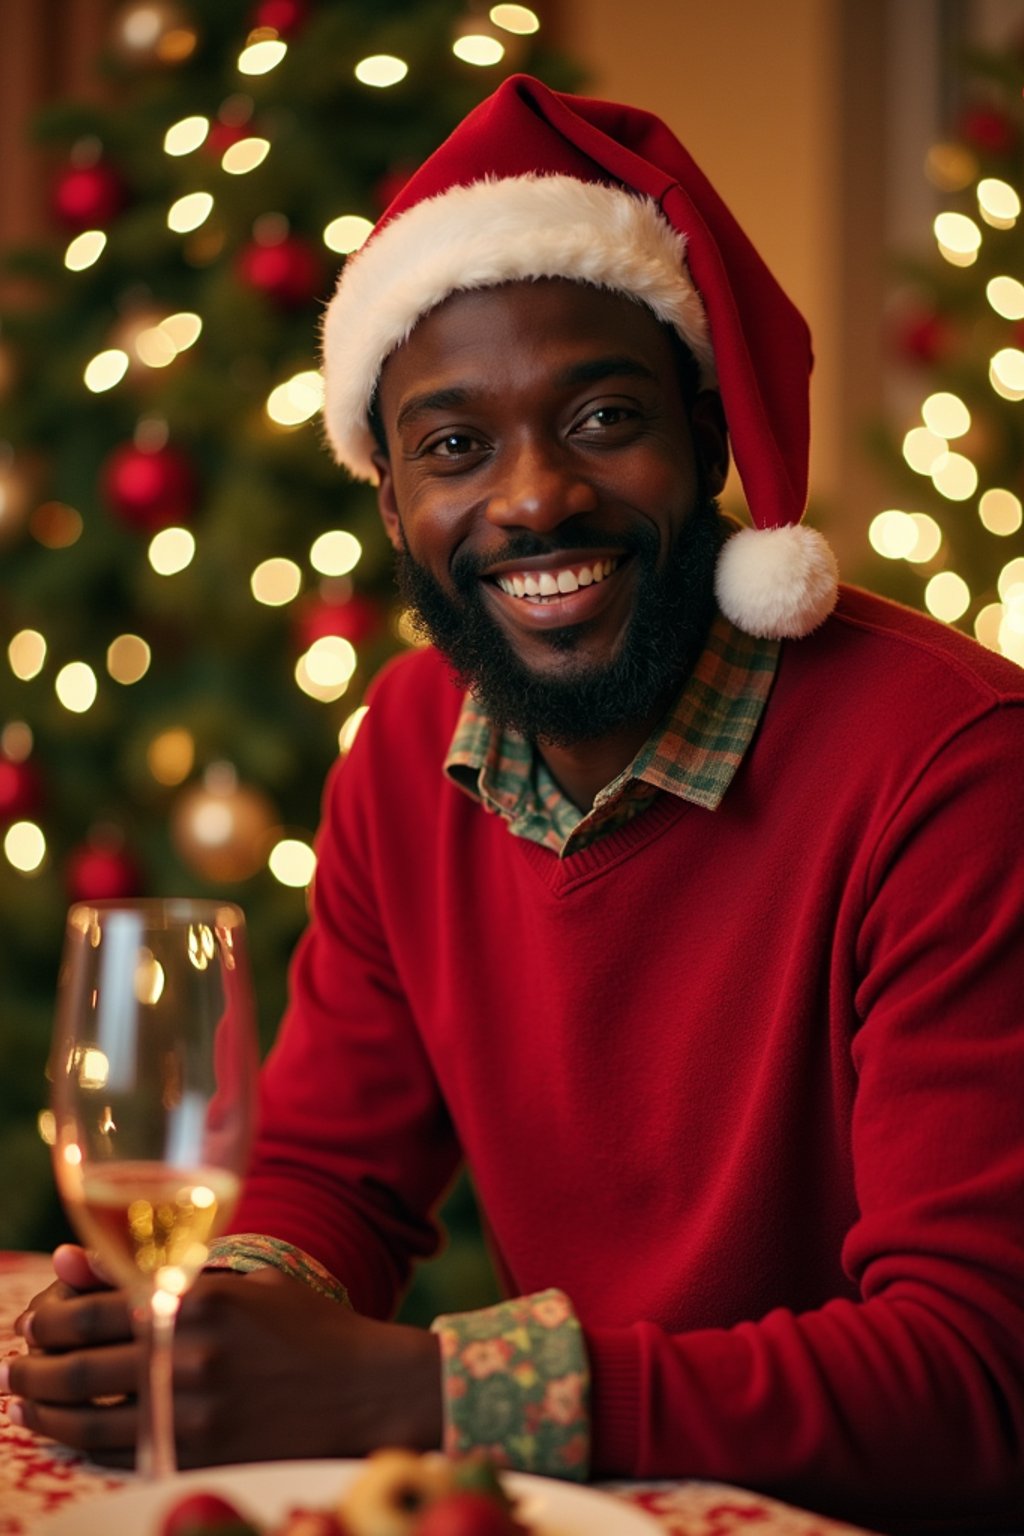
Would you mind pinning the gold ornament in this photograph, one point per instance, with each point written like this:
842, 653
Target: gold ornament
153, 34
221, 828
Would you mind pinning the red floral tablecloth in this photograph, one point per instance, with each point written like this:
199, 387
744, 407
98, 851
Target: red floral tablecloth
38, 1478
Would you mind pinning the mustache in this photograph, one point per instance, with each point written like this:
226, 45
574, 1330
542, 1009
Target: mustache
468, 567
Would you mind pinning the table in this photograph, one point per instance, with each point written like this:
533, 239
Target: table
37, 1478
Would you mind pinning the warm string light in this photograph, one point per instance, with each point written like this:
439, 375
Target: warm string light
171, 551
263, 52
292, 862
381, 70
25, 847
297, 400
85, 250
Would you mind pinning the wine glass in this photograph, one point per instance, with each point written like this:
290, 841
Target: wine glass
154, 1070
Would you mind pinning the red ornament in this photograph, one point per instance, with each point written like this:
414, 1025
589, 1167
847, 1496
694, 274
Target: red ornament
354, 619
987, 129
20, 790
150, 489
88, 196
101, 872
923, 337
285, 17
290, 273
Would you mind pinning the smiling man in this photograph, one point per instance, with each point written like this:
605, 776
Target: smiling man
677, 894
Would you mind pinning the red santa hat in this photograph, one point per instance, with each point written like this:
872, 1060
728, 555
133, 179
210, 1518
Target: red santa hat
536, 184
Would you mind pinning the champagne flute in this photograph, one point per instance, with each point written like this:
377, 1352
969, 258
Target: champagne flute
154, 1070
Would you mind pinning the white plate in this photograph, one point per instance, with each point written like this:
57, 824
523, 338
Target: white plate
266, 1491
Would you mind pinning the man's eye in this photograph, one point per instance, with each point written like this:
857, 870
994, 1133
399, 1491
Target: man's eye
453, 445
605, 416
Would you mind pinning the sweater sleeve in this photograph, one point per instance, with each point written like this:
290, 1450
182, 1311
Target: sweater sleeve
355, 1147
906, 1405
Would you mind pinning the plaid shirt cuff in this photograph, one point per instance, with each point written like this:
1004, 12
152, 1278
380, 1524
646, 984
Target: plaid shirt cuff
251, 1250
515, 1382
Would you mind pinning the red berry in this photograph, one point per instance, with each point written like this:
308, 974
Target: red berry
199, 1513
467, 1514
311, 1522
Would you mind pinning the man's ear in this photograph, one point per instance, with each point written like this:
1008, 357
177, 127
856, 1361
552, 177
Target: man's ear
386, 499
711, 438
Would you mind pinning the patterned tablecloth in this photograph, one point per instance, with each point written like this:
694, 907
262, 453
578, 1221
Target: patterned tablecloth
37, 1478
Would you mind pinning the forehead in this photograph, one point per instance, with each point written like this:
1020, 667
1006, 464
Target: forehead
524, 327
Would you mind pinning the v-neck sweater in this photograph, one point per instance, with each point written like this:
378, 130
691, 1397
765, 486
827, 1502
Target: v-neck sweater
746, 1084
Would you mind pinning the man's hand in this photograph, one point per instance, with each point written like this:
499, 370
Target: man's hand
264, 1368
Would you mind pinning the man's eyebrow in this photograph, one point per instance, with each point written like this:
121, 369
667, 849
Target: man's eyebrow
590, 371
594, 369
432, 400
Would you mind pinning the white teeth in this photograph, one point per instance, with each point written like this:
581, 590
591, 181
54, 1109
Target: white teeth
551, 583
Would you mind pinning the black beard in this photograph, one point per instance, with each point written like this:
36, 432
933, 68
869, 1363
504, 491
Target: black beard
673, 611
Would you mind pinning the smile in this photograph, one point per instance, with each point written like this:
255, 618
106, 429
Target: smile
541, 586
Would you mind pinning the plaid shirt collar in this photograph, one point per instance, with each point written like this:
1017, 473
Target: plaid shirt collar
693, 753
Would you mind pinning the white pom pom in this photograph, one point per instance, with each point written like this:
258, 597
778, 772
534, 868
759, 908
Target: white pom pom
776, 583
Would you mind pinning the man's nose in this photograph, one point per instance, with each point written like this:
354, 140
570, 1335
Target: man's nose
539, 489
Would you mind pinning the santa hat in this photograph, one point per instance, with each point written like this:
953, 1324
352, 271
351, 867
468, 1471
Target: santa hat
536, 184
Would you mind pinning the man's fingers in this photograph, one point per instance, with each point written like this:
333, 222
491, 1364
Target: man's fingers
81, 1270
99, 1317
77, 1378
76, 1271
106, 1432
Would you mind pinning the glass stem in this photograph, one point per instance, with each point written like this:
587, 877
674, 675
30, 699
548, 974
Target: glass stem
153, 1321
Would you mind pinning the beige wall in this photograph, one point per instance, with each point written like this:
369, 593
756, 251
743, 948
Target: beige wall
778, 101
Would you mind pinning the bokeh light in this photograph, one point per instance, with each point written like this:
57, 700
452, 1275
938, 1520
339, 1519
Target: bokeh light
346, 233
171, 755
335, 553
381, 70
25, 846
186, 135
76, 687
947, 596
1000, 511
171, 550
292, 862
128, 659
276, 581
26, 653
85, 250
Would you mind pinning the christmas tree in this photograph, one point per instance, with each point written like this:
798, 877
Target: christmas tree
953, 542
192, 597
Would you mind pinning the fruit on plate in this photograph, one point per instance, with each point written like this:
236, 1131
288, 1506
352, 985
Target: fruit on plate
468, 1514
205, 1514
391, 1492
399, 1493
395, 1493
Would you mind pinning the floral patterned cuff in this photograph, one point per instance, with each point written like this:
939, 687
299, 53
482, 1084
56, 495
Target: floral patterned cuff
516, 1381
247, 1251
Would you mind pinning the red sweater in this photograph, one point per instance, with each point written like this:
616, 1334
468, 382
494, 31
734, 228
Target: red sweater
747, 1084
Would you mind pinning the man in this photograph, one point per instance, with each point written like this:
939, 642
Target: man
695, 926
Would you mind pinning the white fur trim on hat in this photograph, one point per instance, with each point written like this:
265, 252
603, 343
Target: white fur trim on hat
495, 231
776, 583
